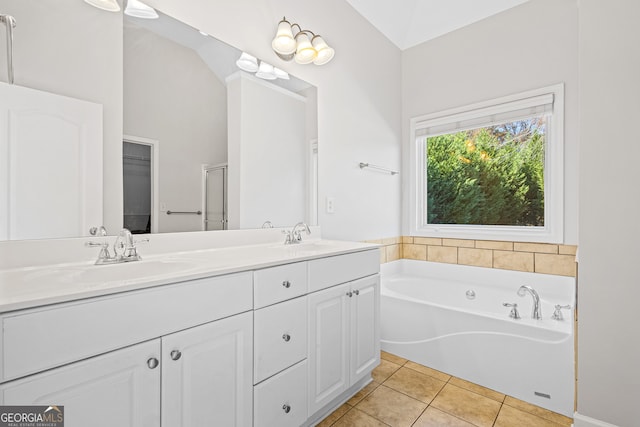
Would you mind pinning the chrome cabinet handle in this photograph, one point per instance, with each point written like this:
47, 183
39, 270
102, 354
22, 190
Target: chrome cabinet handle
357, 292
286, 408
349, 294
286, 337
175, 354
286, 284
152, 363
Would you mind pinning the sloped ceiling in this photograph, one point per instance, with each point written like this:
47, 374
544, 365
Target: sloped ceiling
410, 22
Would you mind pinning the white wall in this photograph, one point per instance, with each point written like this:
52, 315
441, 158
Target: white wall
173, 97
70, 48
359, 100
527, 47
608, 343
266, 153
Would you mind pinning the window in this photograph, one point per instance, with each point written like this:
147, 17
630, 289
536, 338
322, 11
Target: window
491, 170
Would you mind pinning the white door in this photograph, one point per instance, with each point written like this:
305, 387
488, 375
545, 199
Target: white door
50, 164
365, 326
328, 345
207, 374
215, 213
120, 388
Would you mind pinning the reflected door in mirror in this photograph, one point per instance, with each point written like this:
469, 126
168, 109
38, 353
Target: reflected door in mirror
50, 164
215, 198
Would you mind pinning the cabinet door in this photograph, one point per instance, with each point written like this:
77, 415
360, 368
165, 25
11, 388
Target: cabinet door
365, 327
120, 388
328, 345
207, 374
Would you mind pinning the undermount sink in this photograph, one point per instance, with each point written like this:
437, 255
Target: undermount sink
120, 272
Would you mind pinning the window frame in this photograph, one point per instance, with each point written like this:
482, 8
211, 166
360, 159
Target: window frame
553, 229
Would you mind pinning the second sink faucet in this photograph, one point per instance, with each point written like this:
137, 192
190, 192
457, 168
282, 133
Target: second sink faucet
295, 235
124, 249
536, 311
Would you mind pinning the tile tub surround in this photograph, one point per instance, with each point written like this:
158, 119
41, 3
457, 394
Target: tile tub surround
531, 257
404, 393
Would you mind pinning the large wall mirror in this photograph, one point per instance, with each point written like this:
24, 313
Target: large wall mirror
203, 145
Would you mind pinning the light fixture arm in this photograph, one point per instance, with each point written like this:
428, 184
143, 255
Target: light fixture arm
311, 48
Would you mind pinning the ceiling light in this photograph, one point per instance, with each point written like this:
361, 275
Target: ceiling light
280, 74
108, 5
266, 71
305, 47
137, 9
247, 63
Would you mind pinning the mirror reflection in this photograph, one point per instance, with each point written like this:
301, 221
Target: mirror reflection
206, 145
239, 150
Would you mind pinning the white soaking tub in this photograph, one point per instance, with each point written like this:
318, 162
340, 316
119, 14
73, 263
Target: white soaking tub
451, 318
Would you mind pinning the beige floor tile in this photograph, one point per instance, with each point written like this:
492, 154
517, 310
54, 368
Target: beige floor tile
433, 417
510, 417
487, 392
427, 371
392, 358
415, 384
356, 418
334, 416
392, 407
384, 370
363, 393
540, 412
469, 406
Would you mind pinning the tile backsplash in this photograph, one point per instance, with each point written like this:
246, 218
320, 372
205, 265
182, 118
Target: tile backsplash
532, 257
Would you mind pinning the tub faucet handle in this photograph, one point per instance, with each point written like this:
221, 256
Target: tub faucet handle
514, 310
557, 314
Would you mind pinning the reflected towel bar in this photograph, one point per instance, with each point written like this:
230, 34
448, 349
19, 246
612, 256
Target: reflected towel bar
184, 213
380, 168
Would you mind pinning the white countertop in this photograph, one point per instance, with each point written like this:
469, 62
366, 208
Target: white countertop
29, 287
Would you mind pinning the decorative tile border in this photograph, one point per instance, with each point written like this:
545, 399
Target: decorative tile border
532, 257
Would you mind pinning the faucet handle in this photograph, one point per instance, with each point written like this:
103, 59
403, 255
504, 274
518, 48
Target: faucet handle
557, 314
514, 314
104, 250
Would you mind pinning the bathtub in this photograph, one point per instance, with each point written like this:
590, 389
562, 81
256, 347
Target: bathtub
451, 318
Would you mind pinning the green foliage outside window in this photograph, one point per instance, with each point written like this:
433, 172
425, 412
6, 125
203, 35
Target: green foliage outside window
488, 176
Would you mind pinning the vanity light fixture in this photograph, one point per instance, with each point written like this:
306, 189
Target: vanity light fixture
264, 70
305, 47
108, 5
137, 9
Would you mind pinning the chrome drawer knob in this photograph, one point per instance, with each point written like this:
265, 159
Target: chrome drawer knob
153, 363
175, 354
286, 284
286, 408
286, 337
357, 292
349, 294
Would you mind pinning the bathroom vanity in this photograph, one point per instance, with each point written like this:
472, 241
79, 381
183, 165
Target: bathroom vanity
262, 335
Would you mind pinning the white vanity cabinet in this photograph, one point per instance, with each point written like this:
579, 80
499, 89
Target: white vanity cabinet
344, 343
274, 346
119, 388
174, 355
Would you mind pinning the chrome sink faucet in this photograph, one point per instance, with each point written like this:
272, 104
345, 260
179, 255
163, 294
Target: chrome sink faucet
124, 249
536, 312
295, 234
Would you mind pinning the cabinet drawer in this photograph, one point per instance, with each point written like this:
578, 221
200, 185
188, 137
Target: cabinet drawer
272, 285
280, 337
40, 339
331, 271
282, 400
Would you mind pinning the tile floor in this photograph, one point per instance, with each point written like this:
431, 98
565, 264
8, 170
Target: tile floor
404, 393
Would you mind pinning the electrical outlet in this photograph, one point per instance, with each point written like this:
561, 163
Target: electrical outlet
330, 205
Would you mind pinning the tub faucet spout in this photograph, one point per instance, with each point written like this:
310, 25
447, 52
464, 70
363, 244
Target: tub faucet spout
536, 312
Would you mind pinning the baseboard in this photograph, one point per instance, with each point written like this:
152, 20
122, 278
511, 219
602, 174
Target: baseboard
584, 421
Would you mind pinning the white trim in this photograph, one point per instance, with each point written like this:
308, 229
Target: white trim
584, 421
155, 166
553, 230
